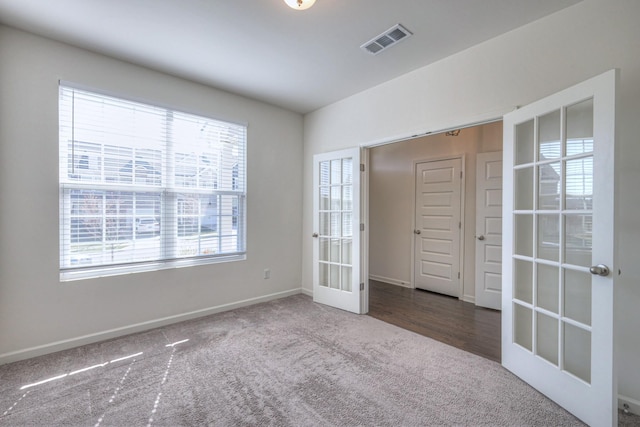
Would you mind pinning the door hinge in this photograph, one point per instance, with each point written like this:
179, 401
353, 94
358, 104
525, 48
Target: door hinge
361, 227
460, 174
362, 286
460, 225
361, 167
458, 274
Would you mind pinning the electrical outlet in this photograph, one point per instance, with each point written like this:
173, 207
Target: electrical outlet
267, 273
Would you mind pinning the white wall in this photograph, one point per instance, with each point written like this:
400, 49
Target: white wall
392, 196
490, 79
36, 309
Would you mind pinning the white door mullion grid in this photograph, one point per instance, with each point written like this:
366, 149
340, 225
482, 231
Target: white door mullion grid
561, 241
335, 230
575, 367
534, 203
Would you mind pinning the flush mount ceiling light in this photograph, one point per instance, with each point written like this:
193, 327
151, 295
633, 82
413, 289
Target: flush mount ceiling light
300, 4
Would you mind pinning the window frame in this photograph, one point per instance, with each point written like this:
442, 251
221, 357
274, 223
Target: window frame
169, 194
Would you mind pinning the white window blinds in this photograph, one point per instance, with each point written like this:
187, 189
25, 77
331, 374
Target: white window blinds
144, 187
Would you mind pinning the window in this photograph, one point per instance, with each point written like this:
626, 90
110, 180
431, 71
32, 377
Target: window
144, 187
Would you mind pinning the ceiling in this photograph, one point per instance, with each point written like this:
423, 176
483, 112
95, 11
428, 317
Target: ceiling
262, 49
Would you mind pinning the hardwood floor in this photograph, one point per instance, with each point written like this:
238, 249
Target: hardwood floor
443, 318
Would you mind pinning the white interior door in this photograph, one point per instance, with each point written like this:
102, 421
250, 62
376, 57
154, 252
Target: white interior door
438, 226
336, 225
489, 230
558, 238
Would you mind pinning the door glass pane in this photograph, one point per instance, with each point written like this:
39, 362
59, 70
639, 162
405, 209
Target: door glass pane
523, 280
577, 351
346, 251
335, 224
336, 198
547, 337
347, 198
324, 249
549, 136
579, 183
324, 223
346, 279
336, 171
335, 250
577, 239
347, 224
523, 234
334, 279
524, 143
548, 288
324, 198
324, 173
524, 189
522, 327
580, 128
549, 237
549, 186
577, 296
324, 274
347, 171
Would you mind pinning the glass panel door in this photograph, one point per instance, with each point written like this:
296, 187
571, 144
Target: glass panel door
336, 229
558, 239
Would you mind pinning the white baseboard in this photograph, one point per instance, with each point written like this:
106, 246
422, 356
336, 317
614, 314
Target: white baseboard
390, 281
307, 292
138, 327
633, 404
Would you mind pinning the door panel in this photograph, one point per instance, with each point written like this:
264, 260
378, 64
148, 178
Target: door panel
437, 226
336, 224
489, 230
558, 226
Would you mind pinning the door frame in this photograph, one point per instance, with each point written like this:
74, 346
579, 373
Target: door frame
416, 162
364, 211
364, 232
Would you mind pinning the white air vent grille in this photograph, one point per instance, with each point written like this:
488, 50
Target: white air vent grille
387, 39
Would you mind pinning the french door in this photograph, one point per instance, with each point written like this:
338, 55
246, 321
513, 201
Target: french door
336, 236
559, 248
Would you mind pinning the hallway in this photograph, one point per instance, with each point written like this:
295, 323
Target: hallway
443, 318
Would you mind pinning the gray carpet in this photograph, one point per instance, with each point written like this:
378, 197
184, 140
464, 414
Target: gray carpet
288, 362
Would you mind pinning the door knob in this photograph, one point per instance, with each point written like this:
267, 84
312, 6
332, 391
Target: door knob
481, 237
314, 235
417, 231
599, 270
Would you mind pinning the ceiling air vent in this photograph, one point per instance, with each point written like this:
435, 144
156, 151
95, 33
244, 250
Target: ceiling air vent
387, 39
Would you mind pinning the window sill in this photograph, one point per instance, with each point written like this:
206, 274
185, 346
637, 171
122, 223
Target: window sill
107, 271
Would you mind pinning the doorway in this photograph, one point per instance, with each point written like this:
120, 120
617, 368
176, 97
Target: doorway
556, 326
392, 235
